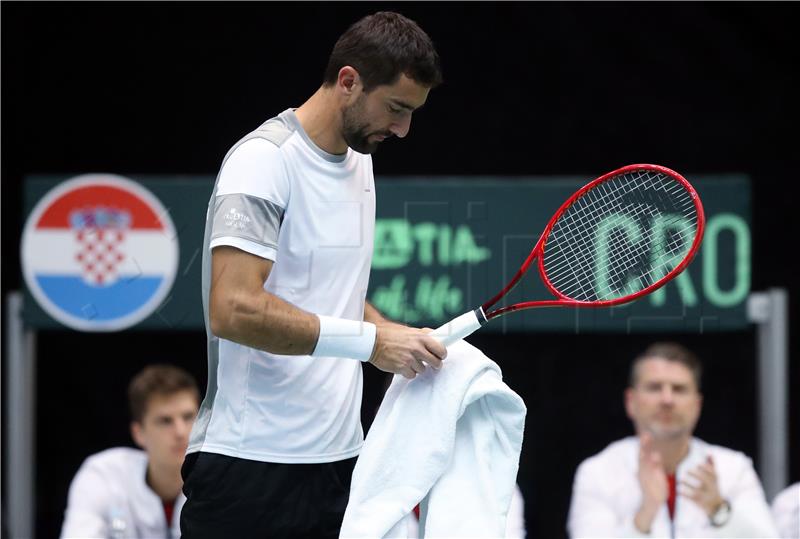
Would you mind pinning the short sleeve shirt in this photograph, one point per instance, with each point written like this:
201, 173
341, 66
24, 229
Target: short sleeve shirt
280, 197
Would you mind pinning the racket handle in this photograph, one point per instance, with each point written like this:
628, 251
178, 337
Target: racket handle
459, 327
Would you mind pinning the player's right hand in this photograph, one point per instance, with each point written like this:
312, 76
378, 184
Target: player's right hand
404, 350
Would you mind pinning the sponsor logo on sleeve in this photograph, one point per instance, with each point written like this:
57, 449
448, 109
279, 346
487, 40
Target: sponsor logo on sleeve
236, 219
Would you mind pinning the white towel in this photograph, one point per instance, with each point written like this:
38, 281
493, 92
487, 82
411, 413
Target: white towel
449, 439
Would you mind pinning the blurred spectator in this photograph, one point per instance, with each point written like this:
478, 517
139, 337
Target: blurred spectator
124, 492
786, 512
664, 482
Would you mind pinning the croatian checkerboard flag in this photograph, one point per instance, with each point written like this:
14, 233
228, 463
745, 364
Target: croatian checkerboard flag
99, 252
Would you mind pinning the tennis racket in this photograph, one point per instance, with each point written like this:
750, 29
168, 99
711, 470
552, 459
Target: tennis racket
619, 237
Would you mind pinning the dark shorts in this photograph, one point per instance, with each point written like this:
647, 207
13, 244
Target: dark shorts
230, 497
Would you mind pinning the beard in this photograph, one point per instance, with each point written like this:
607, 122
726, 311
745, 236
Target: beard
679, 428
356, 130
668, 433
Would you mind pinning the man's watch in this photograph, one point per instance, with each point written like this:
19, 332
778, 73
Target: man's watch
722, 515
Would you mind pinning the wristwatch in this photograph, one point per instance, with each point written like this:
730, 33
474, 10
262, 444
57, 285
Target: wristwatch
722, 515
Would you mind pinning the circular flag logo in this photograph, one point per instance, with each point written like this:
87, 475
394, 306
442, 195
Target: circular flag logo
99, 252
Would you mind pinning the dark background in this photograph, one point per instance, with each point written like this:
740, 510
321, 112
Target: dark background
533, 88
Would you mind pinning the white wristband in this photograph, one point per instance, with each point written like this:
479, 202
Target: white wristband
339, 337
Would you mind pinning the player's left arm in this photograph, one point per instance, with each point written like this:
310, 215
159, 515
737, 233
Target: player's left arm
373, 315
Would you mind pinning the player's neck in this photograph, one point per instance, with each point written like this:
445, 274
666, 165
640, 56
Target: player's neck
673, 451
165, 481
322, 121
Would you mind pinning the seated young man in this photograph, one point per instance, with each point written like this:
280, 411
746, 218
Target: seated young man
125, 492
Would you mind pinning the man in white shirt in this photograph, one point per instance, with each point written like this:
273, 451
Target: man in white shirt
286, 261
664, 482
128, 493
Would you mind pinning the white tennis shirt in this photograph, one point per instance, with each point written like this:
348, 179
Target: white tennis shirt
280, 197
109, 498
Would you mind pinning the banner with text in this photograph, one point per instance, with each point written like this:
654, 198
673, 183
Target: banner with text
443, 245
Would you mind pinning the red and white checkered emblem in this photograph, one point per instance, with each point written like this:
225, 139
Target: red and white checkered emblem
100, 233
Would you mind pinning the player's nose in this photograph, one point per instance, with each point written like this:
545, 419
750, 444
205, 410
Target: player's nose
401, 128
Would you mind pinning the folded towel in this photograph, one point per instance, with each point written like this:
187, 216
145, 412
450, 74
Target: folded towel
449, 440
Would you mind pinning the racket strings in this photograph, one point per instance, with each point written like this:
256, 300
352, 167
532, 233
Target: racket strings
626, 258
620, 237
633, 255
583, 251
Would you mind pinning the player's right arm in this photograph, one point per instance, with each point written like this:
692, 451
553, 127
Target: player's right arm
240, 310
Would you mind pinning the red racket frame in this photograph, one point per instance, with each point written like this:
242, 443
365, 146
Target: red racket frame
538, 250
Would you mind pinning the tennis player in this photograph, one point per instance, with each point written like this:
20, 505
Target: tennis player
286, 262
125, 492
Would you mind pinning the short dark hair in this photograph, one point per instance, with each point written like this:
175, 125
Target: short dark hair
161, 380
669, 351
383, 46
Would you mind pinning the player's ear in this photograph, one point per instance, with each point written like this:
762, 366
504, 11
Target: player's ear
136, 434
349, 80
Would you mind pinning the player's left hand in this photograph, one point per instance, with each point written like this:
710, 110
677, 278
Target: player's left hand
704, 490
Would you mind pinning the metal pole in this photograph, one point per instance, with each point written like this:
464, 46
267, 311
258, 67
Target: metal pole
770, 310
20, 411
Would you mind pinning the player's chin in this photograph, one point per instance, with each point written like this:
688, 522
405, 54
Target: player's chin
367, 148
